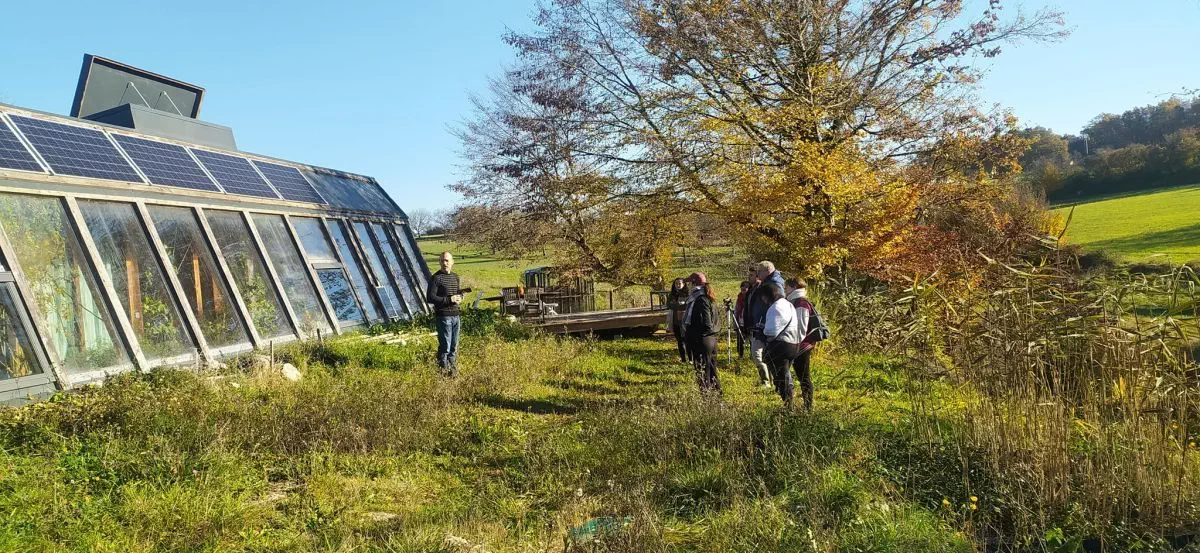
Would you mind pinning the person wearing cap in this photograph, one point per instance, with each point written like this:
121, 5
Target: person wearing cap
700, 331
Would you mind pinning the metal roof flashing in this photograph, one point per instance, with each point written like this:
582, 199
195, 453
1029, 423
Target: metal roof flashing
167, 125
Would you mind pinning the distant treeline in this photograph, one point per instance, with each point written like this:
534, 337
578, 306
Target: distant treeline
1147, 147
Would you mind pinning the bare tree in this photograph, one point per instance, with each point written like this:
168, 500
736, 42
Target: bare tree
420, 220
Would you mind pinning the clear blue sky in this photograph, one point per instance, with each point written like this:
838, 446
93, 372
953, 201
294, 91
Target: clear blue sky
371, 87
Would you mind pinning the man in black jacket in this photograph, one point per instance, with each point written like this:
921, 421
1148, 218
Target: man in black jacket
444, 295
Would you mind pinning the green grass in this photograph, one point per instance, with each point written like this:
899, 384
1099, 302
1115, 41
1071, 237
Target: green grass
1155, 226
372, 452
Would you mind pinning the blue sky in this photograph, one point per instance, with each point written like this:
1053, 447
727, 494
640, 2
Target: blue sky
372, 87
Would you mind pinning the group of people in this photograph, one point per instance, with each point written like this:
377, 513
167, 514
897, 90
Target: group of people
772, 314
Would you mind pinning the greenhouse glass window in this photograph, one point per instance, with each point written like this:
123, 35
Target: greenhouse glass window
73, 316
357, 278
399, 271
293, 275
196, 269
250, 273
337, 289
414, 261
388, 294
312, 237
126, 255
17, 357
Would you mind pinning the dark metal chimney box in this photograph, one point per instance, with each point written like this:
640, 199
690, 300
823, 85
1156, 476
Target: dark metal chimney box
118, 94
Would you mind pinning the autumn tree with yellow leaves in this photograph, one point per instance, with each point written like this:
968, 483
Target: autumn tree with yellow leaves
822, 132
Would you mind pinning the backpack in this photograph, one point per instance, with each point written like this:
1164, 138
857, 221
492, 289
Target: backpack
817, 329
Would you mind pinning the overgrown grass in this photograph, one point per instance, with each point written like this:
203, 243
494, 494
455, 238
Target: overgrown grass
373, 452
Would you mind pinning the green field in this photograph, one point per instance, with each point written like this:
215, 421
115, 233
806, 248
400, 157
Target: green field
481, 271
478, 269
1157, 226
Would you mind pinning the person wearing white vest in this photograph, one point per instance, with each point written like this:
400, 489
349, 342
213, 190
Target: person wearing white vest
783, 330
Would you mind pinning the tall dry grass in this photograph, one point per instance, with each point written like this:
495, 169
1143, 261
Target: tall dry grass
1083, 390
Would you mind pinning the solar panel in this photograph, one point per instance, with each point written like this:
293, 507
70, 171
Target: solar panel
289, 182
235, 174
13, 154
78, 151
166, 164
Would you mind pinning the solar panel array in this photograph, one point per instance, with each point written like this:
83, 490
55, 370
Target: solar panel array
289, 182
166, 164
77, 151
88, 152
235, 174
13, 154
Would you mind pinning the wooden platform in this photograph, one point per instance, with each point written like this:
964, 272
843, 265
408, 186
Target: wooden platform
643, 319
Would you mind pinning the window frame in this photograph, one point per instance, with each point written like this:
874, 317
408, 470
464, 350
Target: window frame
44, 382
315, 267
313, 280
200, 349
420, 274
222, 273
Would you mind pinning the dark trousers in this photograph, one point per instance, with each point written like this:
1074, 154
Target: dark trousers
680, 342
447, 330
804, 375
704, 359
741, 345
779, 356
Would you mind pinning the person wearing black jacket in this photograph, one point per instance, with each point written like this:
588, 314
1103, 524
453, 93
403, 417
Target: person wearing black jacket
700, 330
677, 303
444, 294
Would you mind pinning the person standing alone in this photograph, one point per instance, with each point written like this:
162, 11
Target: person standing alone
444, 294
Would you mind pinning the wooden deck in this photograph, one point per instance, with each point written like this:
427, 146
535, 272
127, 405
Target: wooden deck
642, 319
